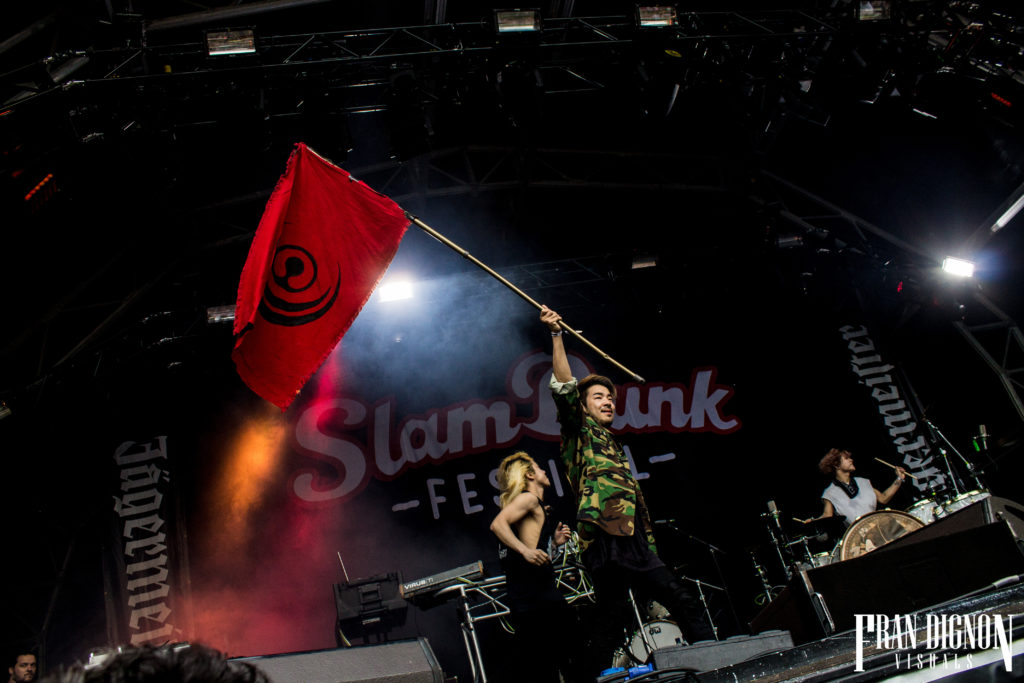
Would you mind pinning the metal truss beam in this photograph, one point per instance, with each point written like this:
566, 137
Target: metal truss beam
470, 170
813, 215
353, 56
998, 341
1001, 345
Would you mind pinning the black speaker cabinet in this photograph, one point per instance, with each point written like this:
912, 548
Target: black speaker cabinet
405, 661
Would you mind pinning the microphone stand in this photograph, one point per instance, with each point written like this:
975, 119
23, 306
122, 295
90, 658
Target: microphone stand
967, 463
776, 543
721, 577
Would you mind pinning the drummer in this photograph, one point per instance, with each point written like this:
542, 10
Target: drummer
848, 496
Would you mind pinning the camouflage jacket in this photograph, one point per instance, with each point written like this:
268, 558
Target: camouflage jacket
608, 496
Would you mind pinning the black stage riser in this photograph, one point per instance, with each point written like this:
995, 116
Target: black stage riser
710, 656
407, 661
943, 561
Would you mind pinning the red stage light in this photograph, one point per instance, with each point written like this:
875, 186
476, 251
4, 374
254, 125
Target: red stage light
1001, 100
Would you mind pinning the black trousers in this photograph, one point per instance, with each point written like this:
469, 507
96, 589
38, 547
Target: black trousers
547, 643
613, 613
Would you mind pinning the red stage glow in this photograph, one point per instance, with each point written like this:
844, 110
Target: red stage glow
262, 572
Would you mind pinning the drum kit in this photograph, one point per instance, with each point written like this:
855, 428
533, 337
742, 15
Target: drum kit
874, 529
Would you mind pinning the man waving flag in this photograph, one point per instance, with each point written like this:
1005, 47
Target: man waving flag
322, 245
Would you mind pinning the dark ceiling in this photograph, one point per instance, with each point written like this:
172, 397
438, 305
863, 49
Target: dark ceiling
135, 166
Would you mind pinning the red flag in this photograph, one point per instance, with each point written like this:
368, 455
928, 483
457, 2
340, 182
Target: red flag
321, 247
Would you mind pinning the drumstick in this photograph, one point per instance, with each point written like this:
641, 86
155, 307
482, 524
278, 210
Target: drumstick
894, 467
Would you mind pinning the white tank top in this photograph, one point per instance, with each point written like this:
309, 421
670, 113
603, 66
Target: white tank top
851, 508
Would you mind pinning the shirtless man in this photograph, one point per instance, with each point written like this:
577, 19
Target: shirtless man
539, 613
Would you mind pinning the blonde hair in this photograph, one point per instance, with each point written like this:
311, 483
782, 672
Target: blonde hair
512, 475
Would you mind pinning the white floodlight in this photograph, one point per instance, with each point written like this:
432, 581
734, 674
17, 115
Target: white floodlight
656, 16
220, 314
395, 291
958, 266
644, 261
517, 20
230, 42
873, 10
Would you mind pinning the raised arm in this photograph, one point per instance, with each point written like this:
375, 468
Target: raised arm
885, 496
559, 361
511, 514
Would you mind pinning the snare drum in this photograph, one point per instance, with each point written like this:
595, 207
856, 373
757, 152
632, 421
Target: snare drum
874, 530
926, 510
963, 500
660, 633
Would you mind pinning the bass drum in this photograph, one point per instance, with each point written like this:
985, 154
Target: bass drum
660, 633
874, 530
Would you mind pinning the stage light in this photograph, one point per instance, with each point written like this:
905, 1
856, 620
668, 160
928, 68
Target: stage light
644, 261
957, 266
395, 291
220, 314
230, 42
517, 20
873, 10
658, 16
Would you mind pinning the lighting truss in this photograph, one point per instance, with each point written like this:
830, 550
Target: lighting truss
560, 44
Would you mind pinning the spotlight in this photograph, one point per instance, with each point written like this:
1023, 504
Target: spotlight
873, 10
658, 16
644, 261
220, 314
394, 291
241, 42
517, 20
957, 266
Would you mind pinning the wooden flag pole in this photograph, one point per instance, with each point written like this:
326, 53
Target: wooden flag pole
490, 271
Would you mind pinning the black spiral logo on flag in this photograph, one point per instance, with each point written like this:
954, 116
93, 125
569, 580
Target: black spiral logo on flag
293, 275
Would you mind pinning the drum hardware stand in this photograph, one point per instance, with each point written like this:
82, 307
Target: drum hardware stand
802, 541
715, 551
768, 589
777, 539
640, 622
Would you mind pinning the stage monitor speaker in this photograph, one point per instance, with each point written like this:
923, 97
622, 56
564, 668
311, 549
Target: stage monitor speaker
909, 576
986, 511
715, 655
404, 661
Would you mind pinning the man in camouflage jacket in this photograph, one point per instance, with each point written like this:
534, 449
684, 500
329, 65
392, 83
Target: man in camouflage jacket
611, 517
